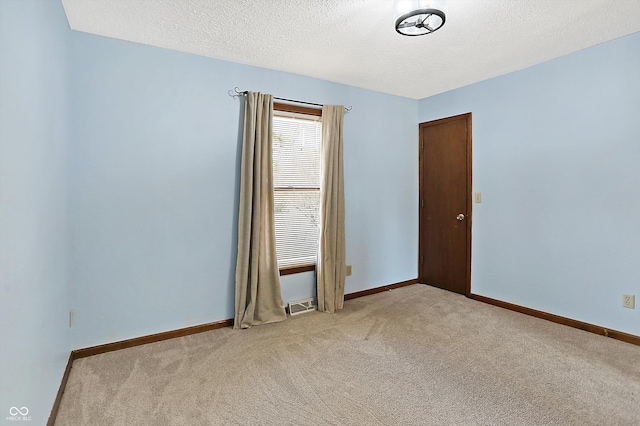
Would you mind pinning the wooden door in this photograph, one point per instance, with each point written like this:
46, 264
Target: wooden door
445, 204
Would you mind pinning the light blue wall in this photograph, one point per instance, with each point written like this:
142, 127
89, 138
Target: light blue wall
556, 155
156, 154
34, 205
119, 174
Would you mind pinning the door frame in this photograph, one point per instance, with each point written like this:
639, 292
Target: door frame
468, 119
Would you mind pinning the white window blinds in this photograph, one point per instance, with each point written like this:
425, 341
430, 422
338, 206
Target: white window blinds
296, 182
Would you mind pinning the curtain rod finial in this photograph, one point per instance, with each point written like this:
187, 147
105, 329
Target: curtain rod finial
236, 93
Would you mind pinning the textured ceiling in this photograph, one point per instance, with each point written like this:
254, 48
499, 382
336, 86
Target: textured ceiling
354, 42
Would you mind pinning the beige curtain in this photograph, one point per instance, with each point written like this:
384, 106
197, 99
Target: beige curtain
258, 296
331, 250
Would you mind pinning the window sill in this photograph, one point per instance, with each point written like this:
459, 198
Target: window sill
297, 269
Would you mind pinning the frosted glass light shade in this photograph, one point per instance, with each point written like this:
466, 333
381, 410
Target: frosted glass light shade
419, 17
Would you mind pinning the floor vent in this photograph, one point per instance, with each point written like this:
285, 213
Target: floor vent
302, 306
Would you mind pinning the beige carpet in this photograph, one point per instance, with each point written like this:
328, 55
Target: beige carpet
412, 356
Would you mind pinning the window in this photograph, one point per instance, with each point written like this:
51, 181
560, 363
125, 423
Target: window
296, 183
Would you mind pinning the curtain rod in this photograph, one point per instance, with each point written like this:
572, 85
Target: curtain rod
236, 93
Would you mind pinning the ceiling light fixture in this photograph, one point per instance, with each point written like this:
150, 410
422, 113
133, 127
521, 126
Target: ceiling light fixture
419, 17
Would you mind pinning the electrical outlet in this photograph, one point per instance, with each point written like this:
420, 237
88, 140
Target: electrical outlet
629, 301
348, 271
